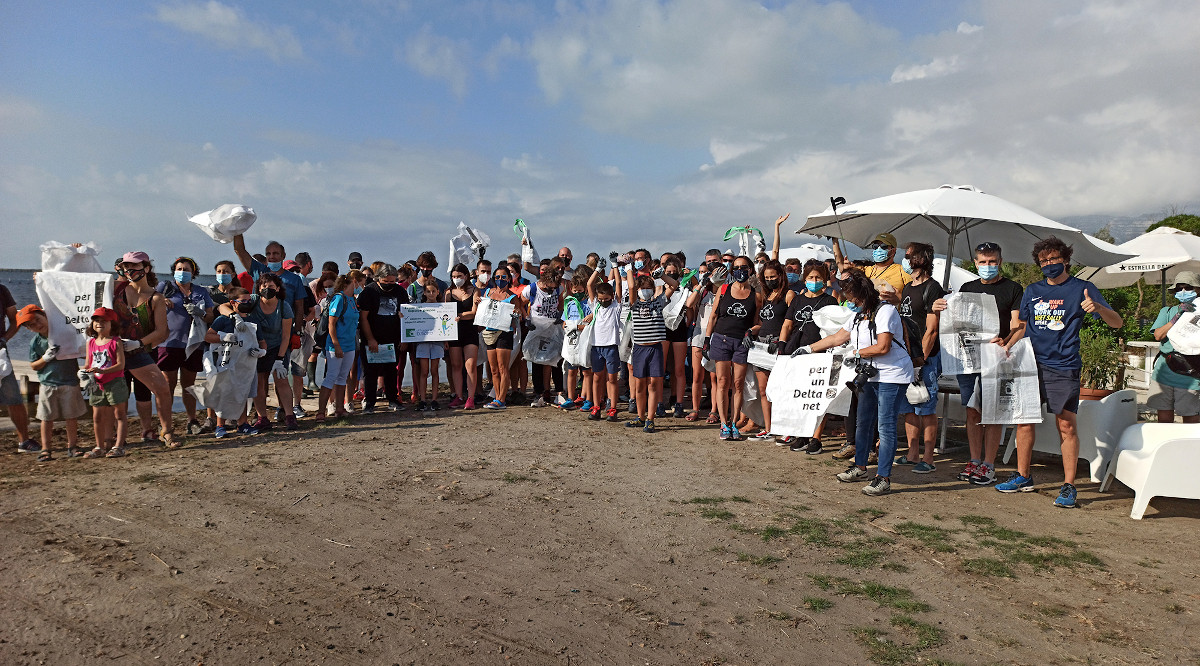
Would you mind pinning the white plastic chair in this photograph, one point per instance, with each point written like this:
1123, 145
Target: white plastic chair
1100, 424
1157, 460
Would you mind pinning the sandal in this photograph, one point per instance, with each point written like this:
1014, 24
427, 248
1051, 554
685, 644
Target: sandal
692, 416
712, 419
45, 456
149, 436
73, 452
115, 452
95, 453
320, 417
169, 441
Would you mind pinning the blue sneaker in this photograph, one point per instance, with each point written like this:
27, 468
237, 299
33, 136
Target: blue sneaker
725, 434
248, 429
661, 411
221, 432
1016, 483
734, 433
587, 406
1066, 497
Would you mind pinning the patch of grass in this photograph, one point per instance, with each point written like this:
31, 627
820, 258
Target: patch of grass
813, 530
509, 477
1175, 608
778, 615
739, 498
704, 500
886, 596
716, 514
758, 560
772, 532
936, 538
822, 581
861, 555
927, 636
148, 477
881, 650
895, 566
817, 604
988, 566
871, 513
1052, 611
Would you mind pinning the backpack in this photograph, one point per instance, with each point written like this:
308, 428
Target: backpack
912, 335
322, 334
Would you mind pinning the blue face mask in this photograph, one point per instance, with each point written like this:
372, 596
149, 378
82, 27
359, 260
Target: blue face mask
1185, 296
814, 285
183, 277
879, 254
793, 278
639, 264
853, 307
275, 266
1053, 270
728, 265
988, 272
357, 290
905, 266
224, 278
502, 282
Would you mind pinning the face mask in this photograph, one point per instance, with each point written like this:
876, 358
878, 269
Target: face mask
458, 282
567, 275
905, 266
426, 272
1053, 270
357, 290
988, 272
483, 277
329, 290
183, 277
854, 307
275, 266
135, 274
772, 284
639, 264
793, 278
758, 266
502, 282
673, 276
1185, 296
879, 255
741, 274
728, 265
245, 308
645, 294
224, 278
268, 293
604, 304
814, 285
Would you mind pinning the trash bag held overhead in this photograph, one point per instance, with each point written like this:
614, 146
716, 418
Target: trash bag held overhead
749, 239
467, 247
529, 255
75, 258
223, 223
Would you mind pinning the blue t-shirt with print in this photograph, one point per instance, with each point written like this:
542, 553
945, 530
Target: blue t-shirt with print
346, 310
1053, 316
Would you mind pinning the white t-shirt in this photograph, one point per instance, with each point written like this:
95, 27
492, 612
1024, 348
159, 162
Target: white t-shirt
895, 367
607, 322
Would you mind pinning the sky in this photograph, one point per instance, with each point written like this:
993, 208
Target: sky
378, 125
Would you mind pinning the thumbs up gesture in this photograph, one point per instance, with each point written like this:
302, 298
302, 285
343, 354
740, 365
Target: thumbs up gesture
1088, 305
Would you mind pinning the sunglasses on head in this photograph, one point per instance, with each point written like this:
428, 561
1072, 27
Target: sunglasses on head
987, 247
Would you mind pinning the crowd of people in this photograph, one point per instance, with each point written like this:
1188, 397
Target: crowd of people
339, 319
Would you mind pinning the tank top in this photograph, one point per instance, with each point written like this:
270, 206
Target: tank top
771, 315
735, 316
134, 323
466, 329
104, 355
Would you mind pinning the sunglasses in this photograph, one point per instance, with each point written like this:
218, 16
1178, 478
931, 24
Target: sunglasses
987, 247
1182, 287
877, 245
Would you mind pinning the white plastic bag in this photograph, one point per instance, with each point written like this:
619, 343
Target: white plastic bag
802, 390
749, 239
230, 375
674, 313
529, 255
5, 363
196, 335
625, 350
223, 223
577, 344
543, 343
1009, 384
832, 318
759, 357
58, 256
1184, 336
467, 247
69, 300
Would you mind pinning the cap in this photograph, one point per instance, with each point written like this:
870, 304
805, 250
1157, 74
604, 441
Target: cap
288, 265
1183, 277
354, 256
135, 258
26, 313
885, 238
104, 313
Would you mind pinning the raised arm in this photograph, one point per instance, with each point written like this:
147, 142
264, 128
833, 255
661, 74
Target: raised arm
775, 245
239, 248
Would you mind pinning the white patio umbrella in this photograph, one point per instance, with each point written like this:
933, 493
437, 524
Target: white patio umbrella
1159, 256
946, 215
805, 252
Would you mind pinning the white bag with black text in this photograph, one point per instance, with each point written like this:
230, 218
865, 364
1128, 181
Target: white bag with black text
69, 300
1009, 391
801, 391
230, 375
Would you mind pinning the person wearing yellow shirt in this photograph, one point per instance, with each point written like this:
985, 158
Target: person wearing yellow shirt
885, 272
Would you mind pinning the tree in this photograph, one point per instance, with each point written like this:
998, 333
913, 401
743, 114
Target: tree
1183, 222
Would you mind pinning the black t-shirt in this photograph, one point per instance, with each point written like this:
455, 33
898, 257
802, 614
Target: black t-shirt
804, 331
1008, 298
735, 316
916, 302
382, 307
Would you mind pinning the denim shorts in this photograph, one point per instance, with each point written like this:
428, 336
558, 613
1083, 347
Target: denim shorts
966, 386
929, 374
725, 348
606, 358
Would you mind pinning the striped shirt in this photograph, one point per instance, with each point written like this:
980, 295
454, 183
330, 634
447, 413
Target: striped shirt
649, 327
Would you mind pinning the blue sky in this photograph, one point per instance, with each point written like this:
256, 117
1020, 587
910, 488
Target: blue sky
378, 125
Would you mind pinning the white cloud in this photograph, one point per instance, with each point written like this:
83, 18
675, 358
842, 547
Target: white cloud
965, 28
438, 57
938, 67
228, 28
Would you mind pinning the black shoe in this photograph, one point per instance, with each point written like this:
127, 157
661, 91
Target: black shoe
814, 446
433, 404
799, 444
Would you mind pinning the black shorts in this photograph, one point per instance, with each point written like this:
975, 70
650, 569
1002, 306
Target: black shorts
265, 363
681, 334
505, 341
171, 359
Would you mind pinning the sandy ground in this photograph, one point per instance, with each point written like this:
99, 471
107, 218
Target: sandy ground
538, 537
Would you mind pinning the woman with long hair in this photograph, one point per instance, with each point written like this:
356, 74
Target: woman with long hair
269, 310
727, 342
771, 317
500, 342
465, 349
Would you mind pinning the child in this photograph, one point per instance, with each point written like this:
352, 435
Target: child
606, 338
649, 331
222, 335
575, 308
428, 354
105, 369
59, 397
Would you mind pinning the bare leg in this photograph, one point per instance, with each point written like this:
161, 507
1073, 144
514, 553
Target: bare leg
991, 443
1025, 440
699, 374
1070, 443
470, 355
434, 366
739, 379
47, 435
187, 379
929, 430
73, 434
454, 366
1166, 416
975, 435
654, 391
763, 378
156, 381
724, 379
20, 418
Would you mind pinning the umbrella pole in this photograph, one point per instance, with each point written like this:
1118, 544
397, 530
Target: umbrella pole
1162, 286
949, 259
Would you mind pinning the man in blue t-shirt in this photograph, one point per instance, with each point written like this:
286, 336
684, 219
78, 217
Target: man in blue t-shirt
1052, 312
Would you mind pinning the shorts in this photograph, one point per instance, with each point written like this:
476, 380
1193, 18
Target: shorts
267, 362
141, 393
681, 334
606, 358
1060, 389
171, 359
139, 359
571, 366
1184, 402
725, 348
929, 374
430, 350
647, 361
299, 361
62, 403
112, 394
966, 386
504, 341
337, 370
10, 391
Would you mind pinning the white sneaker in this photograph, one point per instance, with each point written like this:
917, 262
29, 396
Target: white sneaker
853, 473
540, 402
349, 407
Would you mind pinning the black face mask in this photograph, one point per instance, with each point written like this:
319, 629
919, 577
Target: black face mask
741, 274
771, 284
426, 272
135, 274
269, 292
245, 308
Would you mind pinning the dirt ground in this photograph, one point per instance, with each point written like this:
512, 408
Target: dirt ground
538, 537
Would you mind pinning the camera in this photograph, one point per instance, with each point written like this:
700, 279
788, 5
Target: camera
863, 372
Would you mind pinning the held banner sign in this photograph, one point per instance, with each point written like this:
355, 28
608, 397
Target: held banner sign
69, 300
801, 390
428, 322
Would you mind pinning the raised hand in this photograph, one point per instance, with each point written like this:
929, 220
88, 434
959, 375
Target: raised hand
782, 218
1088, 305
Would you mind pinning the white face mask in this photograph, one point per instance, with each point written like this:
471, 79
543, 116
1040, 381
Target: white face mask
645, 294
483, 277
458, 282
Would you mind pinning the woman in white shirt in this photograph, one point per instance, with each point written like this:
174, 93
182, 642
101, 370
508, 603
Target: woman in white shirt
876, 337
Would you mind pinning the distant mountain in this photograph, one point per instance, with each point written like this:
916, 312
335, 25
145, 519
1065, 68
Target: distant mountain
1122, 228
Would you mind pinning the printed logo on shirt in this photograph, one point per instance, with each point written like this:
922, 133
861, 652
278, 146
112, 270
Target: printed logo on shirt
1049, 314
101, 359
804, 315
388, 307
906, 307
767, 312
737, 310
